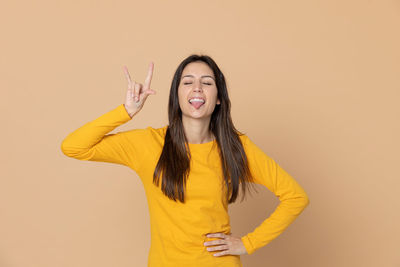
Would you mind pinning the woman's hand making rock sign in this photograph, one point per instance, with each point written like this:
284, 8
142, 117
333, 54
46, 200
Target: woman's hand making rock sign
137, 93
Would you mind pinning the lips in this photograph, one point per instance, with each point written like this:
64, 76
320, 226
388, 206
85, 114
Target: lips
196, 102
196, 98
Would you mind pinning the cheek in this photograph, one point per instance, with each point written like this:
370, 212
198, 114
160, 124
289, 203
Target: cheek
181, 97
213, 94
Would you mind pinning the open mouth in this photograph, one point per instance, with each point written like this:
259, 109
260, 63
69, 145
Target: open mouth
196, 102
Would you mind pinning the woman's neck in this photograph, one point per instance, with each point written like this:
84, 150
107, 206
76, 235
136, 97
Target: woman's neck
197, 131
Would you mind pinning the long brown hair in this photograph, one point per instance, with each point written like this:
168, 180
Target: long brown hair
174, 162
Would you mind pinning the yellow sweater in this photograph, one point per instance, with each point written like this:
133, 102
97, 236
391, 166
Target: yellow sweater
178, 229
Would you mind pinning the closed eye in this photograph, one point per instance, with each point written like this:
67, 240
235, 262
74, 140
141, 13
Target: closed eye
204, 83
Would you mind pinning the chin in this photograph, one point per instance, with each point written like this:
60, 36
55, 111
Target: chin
196, 115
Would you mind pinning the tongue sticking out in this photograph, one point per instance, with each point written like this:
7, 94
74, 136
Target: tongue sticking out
197, 104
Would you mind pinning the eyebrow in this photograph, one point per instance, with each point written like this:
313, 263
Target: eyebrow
189, 75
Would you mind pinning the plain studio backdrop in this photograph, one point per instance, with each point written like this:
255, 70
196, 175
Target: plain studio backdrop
315, 84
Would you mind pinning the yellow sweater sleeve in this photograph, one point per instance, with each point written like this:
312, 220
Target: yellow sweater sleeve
92, 141
293, 199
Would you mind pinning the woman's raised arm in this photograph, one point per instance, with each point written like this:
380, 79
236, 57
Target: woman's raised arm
92, 141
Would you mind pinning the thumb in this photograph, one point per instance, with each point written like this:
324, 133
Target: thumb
148, 92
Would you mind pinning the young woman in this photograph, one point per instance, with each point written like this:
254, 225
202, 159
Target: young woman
191, 168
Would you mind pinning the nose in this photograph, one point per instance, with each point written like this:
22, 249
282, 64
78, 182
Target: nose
198, 87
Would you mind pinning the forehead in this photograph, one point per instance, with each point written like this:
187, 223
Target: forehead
197, 69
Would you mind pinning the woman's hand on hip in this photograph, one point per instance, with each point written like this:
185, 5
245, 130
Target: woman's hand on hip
226, 245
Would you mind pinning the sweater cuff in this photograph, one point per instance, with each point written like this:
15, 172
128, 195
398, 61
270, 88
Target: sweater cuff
121, 110
247, 244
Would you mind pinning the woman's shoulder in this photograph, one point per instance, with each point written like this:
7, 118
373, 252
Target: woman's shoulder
248, 144
157, 132
243, 137
147, 134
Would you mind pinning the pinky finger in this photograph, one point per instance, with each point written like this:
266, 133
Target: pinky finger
222, 253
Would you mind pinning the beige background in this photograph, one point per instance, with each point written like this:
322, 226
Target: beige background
314, 83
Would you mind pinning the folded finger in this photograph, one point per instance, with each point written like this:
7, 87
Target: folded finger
137, 91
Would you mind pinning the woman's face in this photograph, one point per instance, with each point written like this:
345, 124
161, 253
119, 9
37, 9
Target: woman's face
197, 81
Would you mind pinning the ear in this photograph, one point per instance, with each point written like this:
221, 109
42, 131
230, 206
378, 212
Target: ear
218, 102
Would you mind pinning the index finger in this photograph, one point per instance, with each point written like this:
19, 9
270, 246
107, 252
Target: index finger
147, 82
127, 75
